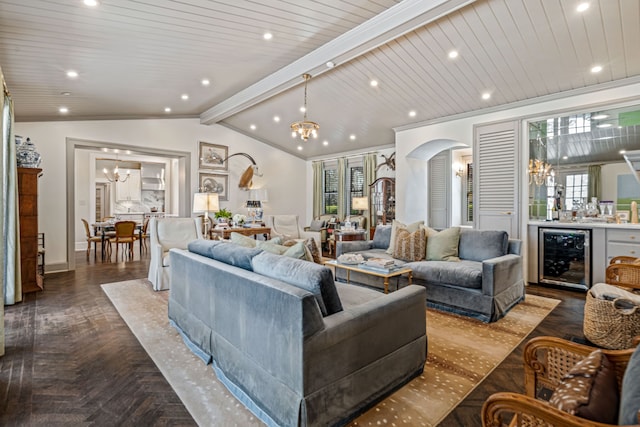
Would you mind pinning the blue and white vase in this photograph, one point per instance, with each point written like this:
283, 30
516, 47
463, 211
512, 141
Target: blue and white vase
27, 156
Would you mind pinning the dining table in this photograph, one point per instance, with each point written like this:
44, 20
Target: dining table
101, 228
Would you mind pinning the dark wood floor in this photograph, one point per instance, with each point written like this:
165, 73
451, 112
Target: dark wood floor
71, 360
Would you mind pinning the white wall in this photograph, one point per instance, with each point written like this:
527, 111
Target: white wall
286, 195
408, 174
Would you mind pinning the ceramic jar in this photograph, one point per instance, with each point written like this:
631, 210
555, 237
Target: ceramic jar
27, 156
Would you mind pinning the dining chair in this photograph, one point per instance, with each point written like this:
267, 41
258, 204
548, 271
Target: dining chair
143, 234
90, 238
125, 235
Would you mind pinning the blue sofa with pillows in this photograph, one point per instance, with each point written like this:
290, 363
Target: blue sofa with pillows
477, 273
292, 345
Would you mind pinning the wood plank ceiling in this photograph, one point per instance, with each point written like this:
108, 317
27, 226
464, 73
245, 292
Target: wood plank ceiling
136, 57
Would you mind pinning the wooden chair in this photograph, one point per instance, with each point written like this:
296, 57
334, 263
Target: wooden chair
143, 234
546, 361
125, 235
624, 272
90, 238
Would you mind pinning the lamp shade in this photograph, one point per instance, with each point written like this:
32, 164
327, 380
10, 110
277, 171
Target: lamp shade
206, 202
360, 203
259, 194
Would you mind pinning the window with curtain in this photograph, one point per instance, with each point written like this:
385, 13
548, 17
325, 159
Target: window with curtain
330, 190
356, 186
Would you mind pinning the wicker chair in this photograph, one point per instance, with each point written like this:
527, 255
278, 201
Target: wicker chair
623, 272
546, 361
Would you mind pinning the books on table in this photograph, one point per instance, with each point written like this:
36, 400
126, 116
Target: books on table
380, 264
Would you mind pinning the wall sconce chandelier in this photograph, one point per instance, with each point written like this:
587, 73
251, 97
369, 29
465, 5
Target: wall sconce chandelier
115, 175
539, 171
305, 128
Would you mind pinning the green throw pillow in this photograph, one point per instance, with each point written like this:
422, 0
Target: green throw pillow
295, 251
443, 246
242, 240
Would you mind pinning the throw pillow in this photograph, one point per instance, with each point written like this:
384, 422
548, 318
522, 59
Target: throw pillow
297, 251
313, 249
317, 225
589, 390
242, 240
443, 246
428, 231
397, 224
409, 246
271, 247
382, 237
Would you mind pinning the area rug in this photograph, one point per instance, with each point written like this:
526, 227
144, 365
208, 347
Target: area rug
462, 352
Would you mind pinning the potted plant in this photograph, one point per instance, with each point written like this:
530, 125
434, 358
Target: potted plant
223, 216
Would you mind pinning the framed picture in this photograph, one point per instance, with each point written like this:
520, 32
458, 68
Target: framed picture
214, 183
212, 156
623, 215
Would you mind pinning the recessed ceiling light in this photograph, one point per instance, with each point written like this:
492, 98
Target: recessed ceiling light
352, 137
105, 149
299, 147
276, 119
622, 151
330, 64
453, 54
184, 96
596, 68
600, 116
604, 125
412, 113
167, 109
65, 93
373, 83
582, 7
63, 110
205, 82
91, 3
72, 74
253, 127
267, 36
565, 157
302, 109
486, 96
325, 142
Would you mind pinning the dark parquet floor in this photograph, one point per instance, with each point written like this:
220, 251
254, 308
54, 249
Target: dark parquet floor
71, 360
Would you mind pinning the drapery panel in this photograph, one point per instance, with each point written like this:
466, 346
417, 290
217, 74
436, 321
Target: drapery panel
317, 189
11, 280
342, 187
594, 182
369, 163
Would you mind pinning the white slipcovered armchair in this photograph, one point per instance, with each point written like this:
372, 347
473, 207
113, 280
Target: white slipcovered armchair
288, 227
164, 234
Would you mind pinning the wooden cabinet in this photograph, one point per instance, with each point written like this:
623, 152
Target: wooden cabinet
383, 195
32, 281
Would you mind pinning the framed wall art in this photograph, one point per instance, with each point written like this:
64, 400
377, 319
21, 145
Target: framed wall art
212, 155
214, 183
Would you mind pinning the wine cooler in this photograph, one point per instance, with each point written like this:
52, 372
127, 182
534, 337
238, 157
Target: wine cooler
565, 257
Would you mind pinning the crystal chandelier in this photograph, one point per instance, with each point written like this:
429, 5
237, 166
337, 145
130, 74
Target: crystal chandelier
305, 128
115, 175
539, 171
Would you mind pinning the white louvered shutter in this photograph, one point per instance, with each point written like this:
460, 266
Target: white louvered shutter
440, 190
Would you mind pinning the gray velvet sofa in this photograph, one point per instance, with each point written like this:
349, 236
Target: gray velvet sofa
485, 283
292, 345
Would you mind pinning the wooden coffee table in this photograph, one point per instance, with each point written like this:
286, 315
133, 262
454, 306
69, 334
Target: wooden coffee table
378, 273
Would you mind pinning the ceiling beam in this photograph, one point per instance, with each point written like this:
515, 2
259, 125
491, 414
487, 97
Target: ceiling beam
396, 21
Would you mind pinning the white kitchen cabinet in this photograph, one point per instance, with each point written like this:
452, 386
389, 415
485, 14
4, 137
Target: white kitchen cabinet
130, 190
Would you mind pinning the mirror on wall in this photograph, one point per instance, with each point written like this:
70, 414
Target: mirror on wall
577, 157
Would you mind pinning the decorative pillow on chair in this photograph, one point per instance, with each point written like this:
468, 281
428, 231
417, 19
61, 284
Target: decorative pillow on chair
312, 247
443, 246
589, 390
409, 246
316, 225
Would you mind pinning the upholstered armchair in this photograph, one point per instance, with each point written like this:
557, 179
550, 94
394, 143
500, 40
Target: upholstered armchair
165, 234
288, 227
321, 224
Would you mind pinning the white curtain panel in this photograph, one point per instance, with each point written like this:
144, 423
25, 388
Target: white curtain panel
11, 280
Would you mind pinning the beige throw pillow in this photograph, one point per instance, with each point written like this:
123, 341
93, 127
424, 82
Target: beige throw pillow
443, 246
409, 246
428, 231
397, 224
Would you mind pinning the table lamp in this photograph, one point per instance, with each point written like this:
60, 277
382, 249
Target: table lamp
360, 204
206, 202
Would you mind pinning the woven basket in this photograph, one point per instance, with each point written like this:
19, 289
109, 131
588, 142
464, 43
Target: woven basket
608, 324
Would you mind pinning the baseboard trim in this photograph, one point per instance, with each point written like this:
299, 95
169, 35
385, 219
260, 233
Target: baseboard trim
55, 268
